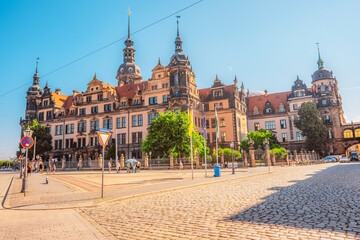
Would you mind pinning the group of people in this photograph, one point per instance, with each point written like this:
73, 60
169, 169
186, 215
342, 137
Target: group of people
131, 167
31, 167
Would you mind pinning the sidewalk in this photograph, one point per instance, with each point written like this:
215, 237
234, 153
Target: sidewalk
83, 189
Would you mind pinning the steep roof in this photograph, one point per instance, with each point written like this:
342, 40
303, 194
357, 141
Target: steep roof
205, 92
129, 90
274, 98
59, 99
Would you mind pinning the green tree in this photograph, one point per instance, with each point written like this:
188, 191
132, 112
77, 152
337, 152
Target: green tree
311, 126
169, 133
110, 153
43, 139
227, 154
259, 137
279, 152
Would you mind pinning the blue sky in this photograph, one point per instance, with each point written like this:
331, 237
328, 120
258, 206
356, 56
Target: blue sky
265, 43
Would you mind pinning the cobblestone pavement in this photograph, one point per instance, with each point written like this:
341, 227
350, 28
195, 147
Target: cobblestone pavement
310, 202
55, 224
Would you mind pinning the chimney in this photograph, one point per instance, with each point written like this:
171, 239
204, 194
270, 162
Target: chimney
75, 92
57, 91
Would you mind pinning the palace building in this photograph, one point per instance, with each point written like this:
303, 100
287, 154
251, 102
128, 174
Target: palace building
129, 108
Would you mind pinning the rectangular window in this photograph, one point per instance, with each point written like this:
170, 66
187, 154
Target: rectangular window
61, 129
123, 122
107, 107
118, 122
298, 136
269, 125
153, 100
72, 128
48, 115
91, 141
256, 126
41, 116
164, 99
295, 106
57, 130
140, 137
123, 138
84, 142
140, 120
88, 99
67, 128
100, 97
223, 136
81, 127
60, 144
46, 102
133, 121
284, 137
67, 143
207, 123
96, 141
156, 115
283, 124
213, 123
94, 110
222, 122
82, 111
108, 123
151, 117
213, 137
118, 139
133, 137
79, 142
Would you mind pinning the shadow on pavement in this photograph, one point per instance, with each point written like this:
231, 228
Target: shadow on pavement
327, 200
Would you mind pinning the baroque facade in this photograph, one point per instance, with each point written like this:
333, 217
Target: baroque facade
276, 112
129, 108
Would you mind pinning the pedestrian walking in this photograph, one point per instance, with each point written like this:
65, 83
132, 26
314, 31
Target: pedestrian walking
117, 167
139, 165
37, 167
181, 167
54, 168
29, 169
78, 166
109, 165
41, 168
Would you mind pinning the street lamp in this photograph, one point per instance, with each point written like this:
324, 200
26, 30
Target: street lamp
27, 133
21, 162
232, 157
150, 159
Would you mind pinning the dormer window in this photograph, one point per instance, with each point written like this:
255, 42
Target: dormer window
281, 108
46, 102
324, 102
268, 110
256, 110
123, 103
217, 93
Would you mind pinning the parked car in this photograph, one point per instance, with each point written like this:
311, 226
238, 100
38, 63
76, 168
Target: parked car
354, 156
329, 159
344, 159
337, 157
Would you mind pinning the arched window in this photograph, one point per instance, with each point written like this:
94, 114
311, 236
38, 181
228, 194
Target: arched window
176, 79
348, 134
357, 132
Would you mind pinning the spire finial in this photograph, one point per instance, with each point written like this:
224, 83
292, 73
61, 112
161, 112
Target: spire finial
320, 61
297, 77
47, 84
37, 62
177, 21
159, 63
95, 76
129, 22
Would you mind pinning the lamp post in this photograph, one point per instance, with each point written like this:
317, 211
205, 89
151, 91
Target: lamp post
150, 159
27, 133
232, 157
21, 162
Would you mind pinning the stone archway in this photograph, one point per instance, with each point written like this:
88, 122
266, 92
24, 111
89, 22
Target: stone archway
352, 149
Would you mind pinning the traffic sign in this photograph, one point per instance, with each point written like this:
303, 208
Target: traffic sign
104, 130
104, 137
27, 142
20, 158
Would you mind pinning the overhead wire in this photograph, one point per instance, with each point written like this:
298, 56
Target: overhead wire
103, 47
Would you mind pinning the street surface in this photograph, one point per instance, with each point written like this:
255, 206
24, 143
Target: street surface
51, 224
309, 202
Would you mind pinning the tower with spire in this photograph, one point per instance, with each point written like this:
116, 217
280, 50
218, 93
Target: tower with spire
33, 95
128, 71
182, 77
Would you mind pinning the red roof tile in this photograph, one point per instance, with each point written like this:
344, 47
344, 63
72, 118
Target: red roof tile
274, 98
129, 90
205, 92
